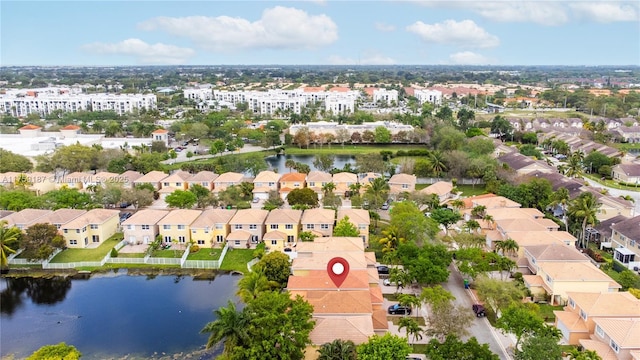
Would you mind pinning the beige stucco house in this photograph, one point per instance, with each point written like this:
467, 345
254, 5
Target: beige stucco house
142, 227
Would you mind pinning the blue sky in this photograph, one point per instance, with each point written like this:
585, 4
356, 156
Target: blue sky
318, 32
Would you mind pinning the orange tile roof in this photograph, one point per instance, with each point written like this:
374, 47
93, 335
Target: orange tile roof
30, 127
379, 319
349, 302
320, 280
355, 328
160, 131
571, 321
71, 127
293, 176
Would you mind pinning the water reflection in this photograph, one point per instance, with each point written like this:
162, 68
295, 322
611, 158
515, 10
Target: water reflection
39, 290
277, 162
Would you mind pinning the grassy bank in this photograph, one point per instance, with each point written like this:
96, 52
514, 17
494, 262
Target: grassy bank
348, 149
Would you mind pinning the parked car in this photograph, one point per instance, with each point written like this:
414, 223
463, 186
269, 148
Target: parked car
479, 310
397, 309
382, 269
256, 200
385, 206
387, 282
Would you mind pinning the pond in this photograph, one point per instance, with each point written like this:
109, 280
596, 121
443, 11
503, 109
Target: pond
277, 162
110, 315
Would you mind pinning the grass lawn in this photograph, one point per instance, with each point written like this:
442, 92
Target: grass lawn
97, 254
419, 348
237, 259
131, 255
546, 311
390, 297
611, 183
205, 254
348, 149
168, 253
395, 320
470, 190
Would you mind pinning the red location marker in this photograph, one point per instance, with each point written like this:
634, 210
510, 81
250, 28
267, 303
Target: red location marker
338, 269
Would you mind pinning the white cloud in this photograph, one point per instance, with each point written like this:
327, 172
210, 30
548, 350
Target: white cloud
384, 27
367, 59
278, 28
462, 33
606, 12
469, 58
144, 53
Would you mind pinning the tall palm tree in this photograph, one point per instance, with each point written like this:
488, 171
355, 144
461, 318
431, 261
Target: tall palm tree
9, 237
561, 198
412, 328
489, 219
507, 247
574, 166
390, 239
457, 204
328, 188
436, 162
378, 189
355, 188
471, 225
478, 210
231, 326
252, 284
338, 350
290, 164
585, 208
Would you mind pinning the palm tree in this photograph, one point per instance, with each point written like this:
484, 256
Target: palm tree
412, 327
338, 350
477, 211
8, 237
457, 204
328, 188
378, 190
252, 284
390, 240
507, 247
585, 208
489, 219
561, 198
290, 164
355, 187
436, 162
374, 216
575, 354
230, 325
574, 166
471, 225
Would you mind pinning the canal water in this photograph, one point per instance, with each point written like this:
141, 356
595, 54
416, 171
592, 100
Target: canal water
277, 162
111, 316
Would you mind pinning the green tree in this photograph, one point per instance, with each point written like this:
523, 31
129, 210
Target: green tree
10, 161
255, 163
9, 240
411, 223
74, 158
501, 127
377, 192
252, 284
426, 265
436, 163
338, 350
520, 321
344, 227
497, 294
450, 319
138, 197
412, 328
382, 135
323, 162
390, 240
370, 162
183, 199
276, 266
453, 348
60, 351
445, 217
40, 241
584, 209
230, 325
388, 347
68, 198
19, 199
203, 195
539, 348
575, 354
507, 247
304, 196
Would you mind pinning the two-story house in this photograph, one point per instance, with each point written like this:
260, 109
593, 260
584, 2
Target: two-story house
154, 178
25, 218
247, 228
615, 339
226, 180
343, 182
399, 183
318, 221
206, 179
282, 229
211, 227
576, 320
91, 229
291, 181
264, 183
61, 217
365, 179
176, 226
442, 189
360, 218
75, 180
179, 180
317, 179
142, 227
535, 254
626, 173
625, 241
129, 178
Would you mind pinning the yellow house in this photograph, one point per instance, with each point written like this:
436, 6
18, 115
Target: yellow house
286, 224
317, 179
556, 279
75, 180
615, 339
359, 218
204, 179
576, 321
41, 182
178, 180
211, 227
91, 229
176, 226
247, 228
400, 183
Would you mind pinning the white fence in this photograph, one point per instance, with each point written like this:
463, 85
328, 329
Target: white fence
463, 181
206, 264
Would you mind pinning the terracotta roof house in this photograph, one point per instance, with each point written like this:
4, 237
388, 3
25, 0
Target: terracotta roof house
176, 226
343, 181
129, 177
441, 188
399, 183
534, 238
178, 180
25, 218
142, 227
247, 222
205, 179
103, 178
154, 178
360, 218
318, 221
91, 229
627, 173
317, 179
576, 320
332, 245
290, 181
227, 179
515, 213
287, 223
61, 216
621, 336
535, 254
75, 180
625, 241
265, 182
365, 179
523, 165
490, 202
556, 279
211, 227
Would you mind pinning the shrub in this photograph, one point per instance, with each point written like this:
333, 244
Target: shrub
114, 253
194, 248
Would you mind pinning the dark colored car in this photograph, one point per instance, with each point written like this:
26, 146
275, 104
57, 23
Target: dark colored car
397, 309
479, 310
383, 269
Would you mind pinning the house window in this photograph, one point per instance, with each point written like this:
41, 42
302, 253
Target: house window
95, 238
274, 242
274, 226
237, 242
180, 227
572, 303
253, 227
58, 226
73, 242
206, 230
324, 226
205, 184
312, 184
167, 239
288, 226
614, 346
165, 184
272, 184
200, 242
182, 239
290, 238
145, 227
84, 229
66, 231
254, 239
549, 279
362, 227
583, 315
238, 227
193, 231
219, 238
296, 184
405, 186
599, 331
310, 226
166, 227
77, 231
178, 184
93, 226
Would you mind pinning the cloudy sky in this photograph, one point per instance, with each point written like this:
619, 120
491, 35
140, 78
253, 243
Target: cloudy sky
571, 32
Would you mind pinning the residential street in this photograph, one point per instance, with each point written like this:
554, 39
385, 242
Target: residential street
617, 192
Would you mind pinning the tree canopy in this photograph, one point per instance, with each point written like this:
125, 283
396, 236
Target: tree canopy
388, 347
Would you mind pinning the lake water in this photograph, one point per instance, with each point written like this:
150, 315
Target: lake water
276, 162
110, 315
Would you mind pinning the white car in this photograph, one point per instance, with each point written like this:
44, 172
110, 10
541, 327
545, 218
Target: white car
387, 282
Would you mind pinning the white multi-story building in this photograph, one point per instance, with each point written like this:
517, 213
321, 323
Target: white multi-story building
326, 127
432, 96
21, 103
385, 96
198, 94
341, 103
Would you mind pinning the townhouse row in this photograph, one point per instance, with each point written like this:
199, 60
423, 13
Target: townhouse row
279, 229
264, 183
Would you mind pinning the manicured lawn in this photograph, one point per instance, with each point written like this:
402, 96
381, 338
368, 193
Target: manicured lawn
611, 183
470, 190
390, 297
97, 254
546, 311
419, 348
205, 254
168, 253
336, 149
237, 259
131, 255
